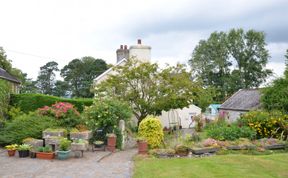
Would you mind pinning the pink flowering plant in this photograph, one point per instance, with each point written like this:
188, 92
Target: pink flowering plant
65, 113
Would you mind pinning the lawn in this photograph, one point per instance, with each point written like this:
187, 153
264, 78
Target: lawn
233, 165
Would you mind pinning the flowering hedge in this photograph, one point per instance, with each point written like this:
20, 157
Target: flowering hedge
65, 113
274, 124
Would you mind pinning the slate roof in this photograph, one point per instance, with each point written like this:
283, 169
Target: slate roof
243, 100
6, 76
109, 70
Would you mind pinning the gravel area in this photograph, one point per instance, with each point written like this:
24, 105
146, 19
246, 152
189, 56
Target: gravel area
93, 164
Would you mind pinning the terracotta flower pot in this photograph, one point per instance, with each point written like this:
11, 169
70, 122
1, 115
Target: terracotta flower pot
142, 147
11, 152
44, 155
111, 143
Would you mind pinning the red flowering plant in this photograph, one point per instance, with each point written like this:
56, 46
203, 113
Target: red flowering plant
65, 113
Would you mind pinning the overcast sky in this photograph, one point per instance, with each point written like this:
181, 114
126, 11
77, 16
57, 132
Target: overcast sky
34, 32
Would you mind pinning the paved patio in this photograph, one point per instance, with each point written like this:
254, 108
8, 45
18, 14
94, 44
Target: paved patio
93, 164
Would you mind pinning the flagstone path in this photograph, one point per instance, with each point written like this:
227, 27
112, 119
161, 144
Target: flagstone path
92, 165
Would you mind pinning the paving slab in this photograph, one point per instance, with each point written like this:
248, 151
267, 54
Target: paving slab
93, 164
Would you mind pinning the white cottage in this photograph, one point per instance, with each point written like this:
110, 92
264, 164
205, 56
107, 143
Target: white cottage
143, 53
139, 51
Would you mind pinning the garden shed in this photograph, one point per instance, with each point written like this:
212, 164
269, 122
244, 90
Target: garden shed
212, 111
240, 102
179, 117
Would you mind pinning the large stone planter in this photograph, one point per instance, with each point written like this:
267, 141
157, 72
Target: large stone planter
54, 133
79, 146
199, 151
241, 147
54, 142
35, 143
86, 135
275, 146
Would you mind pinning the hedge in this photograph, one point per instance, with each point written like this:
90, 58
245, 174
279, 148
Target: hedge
31, 102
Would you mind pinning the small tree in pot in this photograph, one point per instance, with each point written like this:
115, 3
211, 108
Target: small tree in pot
64, 147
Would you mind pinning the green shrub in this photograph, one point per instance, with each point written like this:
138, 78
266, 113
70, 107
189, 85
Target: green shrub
273, 124
31, 102
28, 125
64, 144
65, 113
4, 99
150, 128
105, 114
223, 131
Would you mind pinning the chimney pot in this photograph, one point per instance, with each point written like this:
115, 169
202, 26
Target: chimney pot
139, 41
121, 46
125, 46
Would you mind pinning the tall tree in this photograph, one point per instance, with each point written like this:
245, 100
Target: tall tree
28, 85
46, 77
248, 50
61, 89
212, 61
275, 97
80, 73
149, 89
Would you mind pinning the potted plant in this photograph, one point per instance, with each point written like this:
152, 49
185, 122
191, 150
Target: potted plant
142, 145
63, 152
111, 142
11, 149
45, 153
23, 150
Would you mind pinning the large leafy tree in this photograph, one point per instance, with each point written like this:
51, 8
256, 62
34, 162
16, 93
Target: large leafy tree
210, 63
249, 52
80, 74
275, 97
28, 85
231, 61
149, 89
46, 78
61, 89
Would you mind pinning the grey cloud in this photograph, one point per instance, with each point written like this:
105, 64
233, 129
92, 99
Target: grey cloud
272, 20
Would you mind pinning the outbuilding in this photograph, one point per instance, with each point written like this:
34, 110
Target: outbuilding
239, 103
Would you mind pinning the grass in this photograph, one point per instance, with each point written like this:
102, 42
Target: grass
222, 166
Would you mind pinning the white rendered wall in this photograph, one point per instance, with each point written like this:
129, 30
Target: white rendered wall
140, 53
184, 114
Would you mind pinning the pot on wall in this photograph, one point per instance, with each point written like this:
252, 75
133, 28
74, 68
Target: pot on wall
111, 142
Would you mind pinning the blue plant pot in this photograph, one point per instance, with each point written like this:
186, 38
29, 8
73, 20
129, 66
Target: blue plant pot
62, 155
